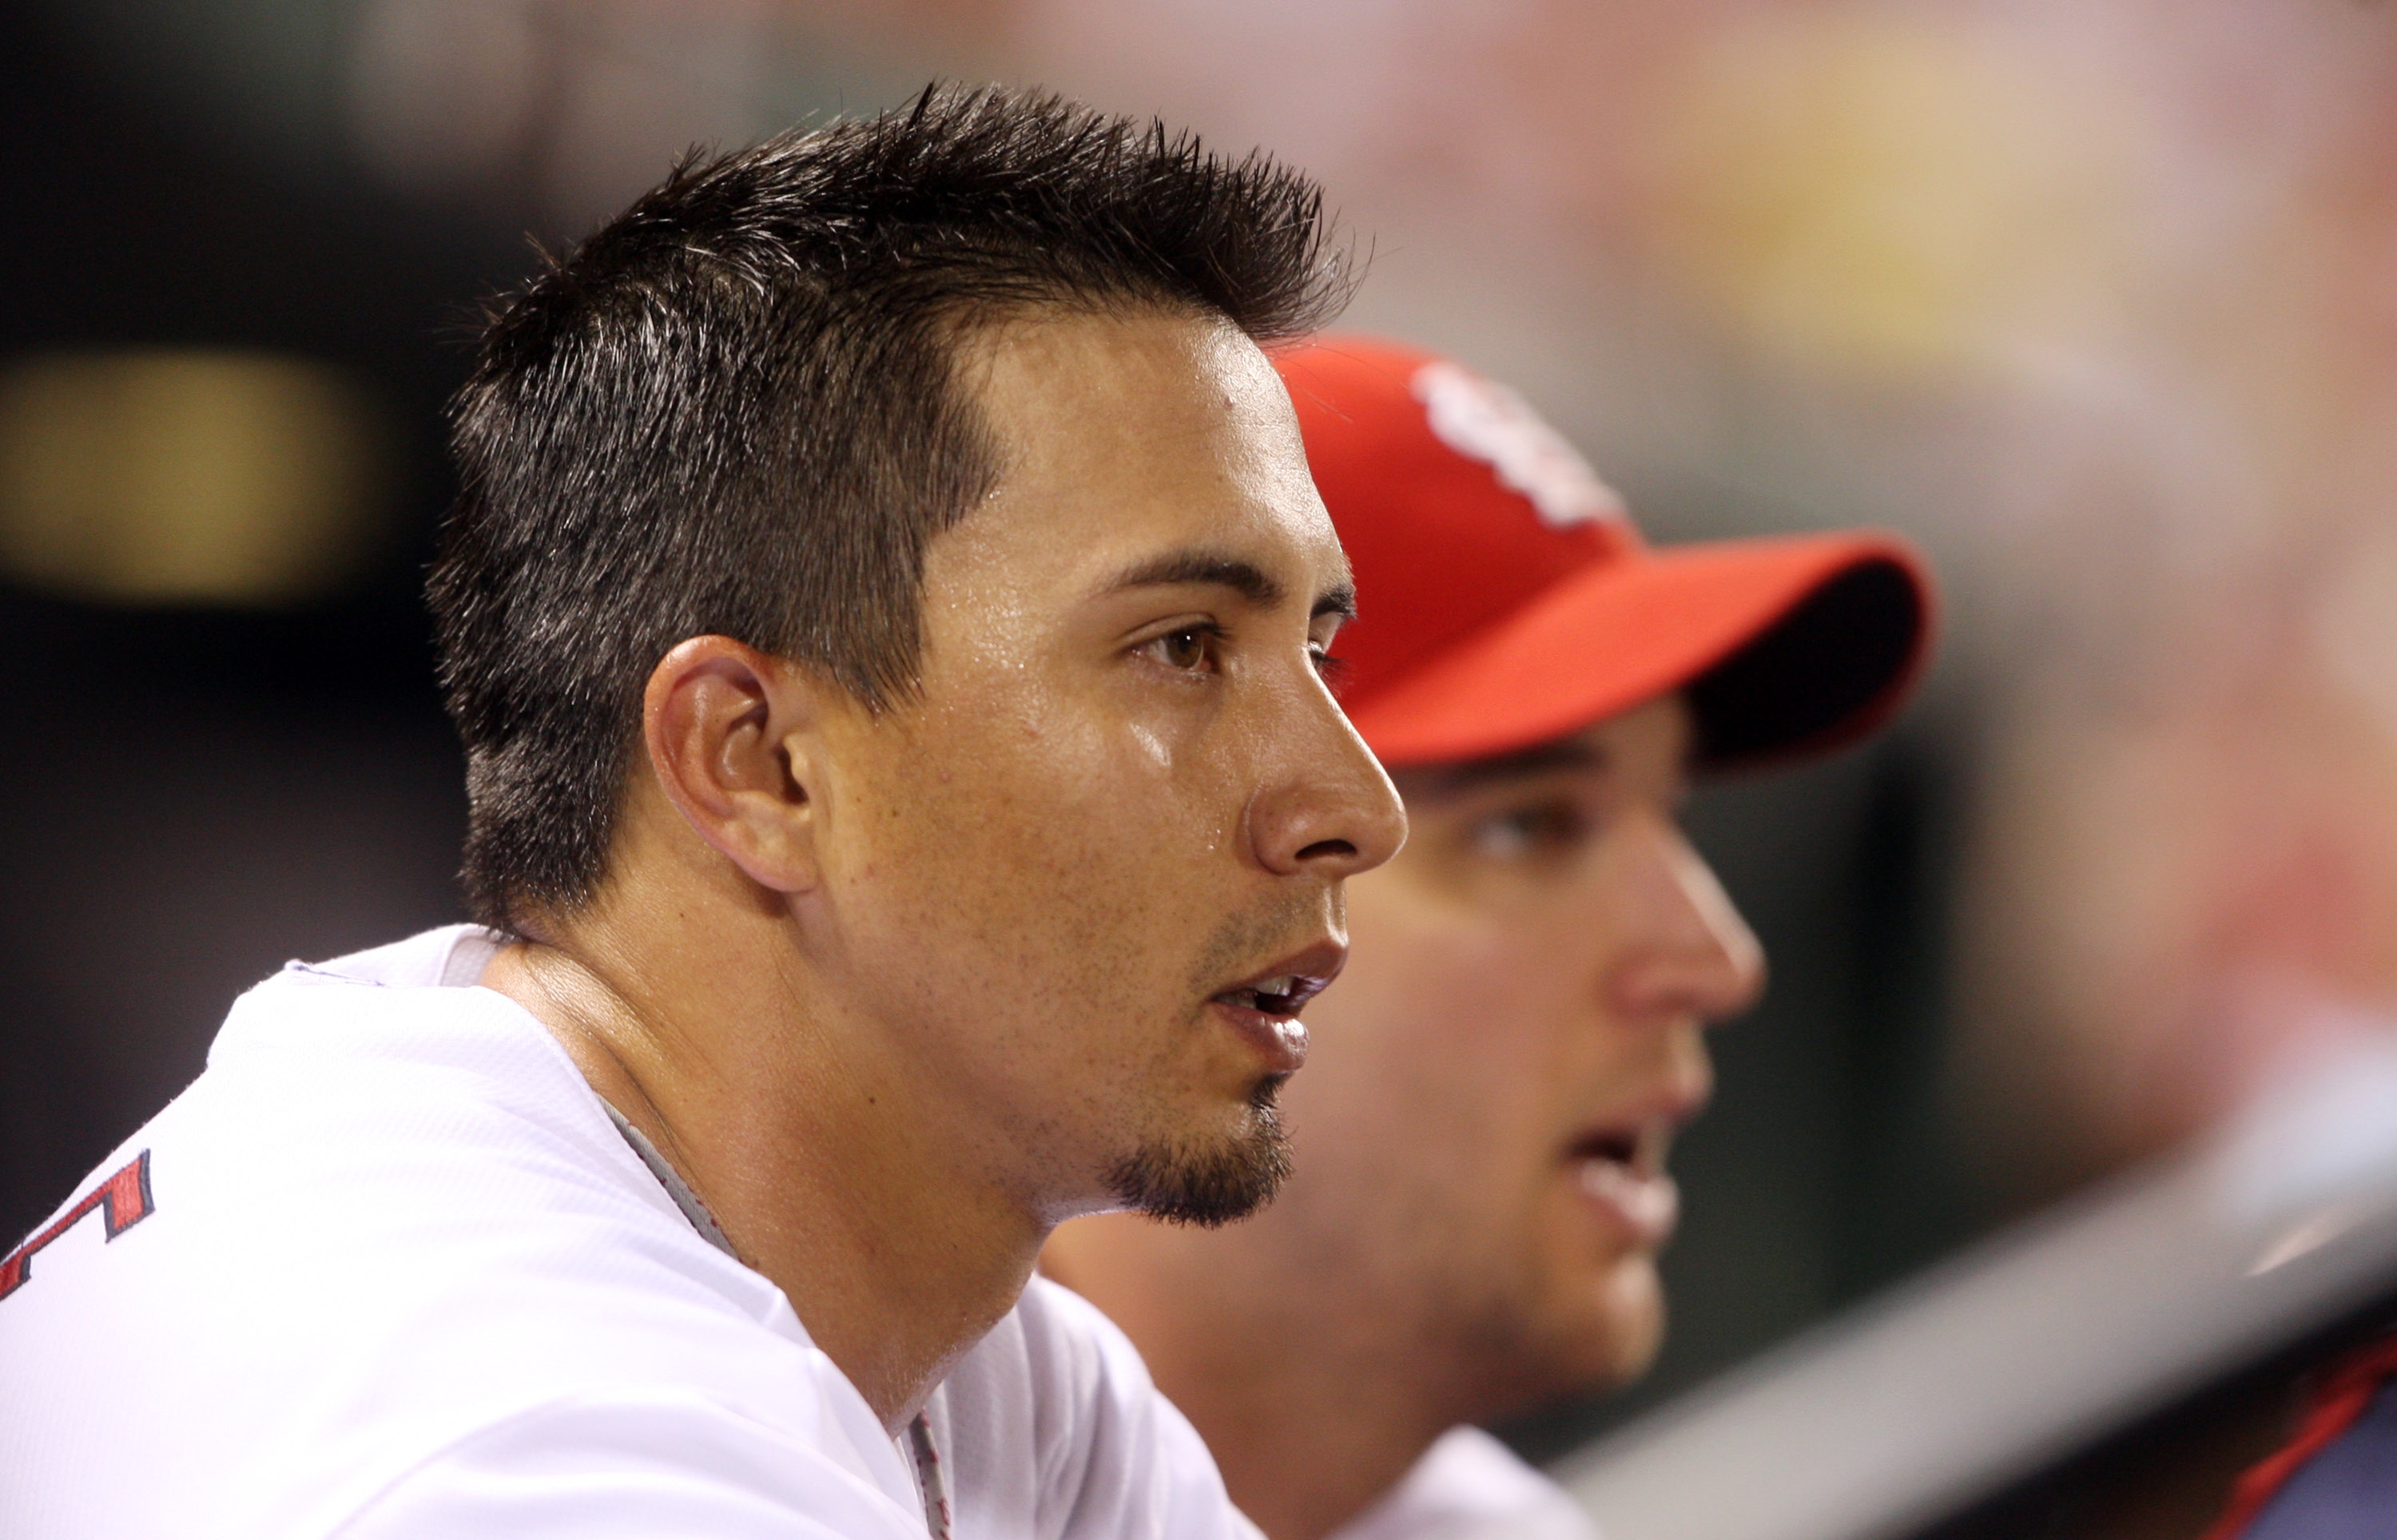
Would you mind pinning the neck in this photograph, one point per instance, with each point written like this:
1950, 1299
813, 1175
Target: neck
794, 1127
1306, 1439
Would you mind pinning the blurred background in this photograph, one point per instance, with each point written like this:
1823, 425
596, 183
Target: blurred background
2096, 298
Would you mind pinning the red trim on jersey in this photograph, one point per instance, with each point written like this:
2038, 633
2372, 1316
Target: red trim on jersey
2346, 1389
123, 1201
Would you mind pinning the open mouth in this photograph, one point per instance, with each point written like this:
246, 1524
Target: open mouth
1283, 987
1279, 996
1263, 1007
1639, 1151
1620, 1172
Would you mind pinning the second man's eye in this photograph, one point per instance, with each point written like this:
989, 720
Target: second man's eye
1538, 829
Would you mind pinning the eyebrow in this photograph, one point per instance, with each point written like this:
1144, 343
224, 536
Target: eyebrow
1442, 780
1243, 577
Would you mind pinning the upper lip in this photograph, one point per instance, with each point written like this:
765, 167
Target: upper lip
1309, 971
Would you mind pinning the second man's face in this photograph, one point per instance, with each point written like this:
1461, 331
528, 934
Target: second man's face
1095, 867
1482, 1140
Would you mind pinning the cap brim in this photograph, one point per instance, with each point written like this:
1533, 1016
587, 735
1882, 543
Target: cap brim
1786, 645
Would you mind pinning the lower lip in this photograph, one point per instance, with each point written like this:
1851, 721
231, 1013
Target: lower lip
1282, 1040
1643, 1206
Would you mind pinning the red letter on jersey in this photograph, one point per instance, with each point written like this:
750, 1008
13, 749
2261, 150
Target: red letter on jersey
123, 1201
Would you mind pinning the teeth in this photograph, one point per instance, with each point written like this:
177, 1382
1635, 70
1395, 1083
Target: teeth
1267, 995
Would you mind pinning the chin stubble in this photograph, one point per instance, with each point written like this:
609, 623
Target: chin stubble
1211, 1185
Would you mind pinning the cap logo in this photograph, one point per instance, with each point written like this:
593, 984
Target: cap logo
1484, 420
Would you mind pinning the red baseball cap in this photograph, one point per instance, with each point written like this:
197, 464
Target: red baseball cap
1507, 599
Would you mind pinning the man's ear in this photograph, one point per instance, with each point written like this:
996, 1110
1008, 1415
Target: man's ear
729, 731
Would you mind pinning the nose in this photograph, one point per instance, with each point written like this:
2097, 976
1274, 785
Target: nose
1695, 955
1332, 813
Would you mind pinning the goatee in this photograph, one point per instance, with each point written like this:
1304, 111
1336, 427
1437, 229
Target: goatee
1215, 1185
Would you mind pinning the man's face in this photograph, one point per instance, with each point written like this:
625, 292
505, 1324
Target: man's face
1481, 1145
1083, 877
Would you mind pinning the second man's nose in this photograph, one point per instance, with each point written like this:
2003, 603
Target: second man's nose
1696, 955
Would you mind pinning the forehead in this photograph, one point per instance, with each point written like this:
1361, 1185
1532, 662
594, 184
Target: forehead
1120, 434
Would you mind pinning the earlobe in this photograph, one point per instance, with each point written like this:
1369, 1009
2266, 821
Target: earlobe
729, 735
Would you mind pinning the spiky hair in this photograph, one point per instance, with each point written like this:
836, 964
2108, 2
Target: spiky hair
733, 410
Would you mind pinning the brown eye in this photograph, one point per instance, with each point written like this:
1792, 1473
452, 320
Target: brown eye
1186, 649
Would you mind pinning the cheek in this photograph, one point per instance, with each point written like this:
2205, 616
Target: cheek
1420, 1056
1481, 1004
1008, 790
1079, 779
1026, 854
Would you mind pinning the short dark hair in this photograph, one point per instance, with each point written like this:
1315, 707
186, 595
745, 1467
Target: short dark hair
734, 411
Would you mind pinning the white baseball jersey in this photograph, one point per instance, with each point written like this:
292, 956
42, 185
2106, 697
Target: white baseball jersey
1468, 1486
388, 1270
